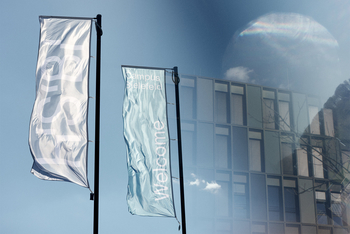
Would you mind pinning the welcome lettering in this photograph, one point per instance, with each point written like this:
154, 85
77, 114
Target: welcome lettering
161, 173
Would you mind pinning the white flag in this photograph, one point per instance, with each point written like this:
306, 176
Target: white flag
58, 125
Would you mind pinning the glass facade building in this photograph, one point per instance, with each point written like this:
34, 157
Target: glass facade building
263, 160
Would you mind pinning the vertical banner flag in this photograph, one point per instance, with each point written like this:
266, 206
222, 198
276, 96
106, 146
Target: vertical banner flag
147, 142
58, 125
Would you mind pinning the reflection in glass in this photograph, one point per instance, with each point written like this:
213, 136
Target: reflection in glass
223, 195
269, 111
244, 130
324, 230
328, 122
258, 197
346, 163
274, 199
284, 113
223, 226
337, 209
321, 207
284, 50
205, 102
303, 167
308, 229
242, 227
205, 199
188, 143
255, 151
314, 120
258, 228
240, 148
241, 196
205, 144
291, 201
222, 113
276, 228
340, 231
222, 147
318, 162
255, 154
287, 158
292, 229
188, 93
237, 109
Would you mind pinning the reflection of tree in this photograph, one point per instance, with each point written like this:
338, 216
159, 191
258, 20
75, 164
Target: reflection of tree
341, 129
327, 162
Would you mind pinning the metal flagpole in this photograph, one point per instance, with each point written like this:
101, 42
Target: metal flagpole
98, 25
182, 193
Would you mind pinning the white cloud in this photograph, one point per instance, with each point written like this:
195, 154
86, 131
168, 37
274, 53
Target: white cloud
196, 182
238, 73
212, 187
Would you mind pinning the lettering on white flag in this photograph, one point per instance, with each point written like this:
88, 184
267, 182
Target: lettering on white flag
58, 127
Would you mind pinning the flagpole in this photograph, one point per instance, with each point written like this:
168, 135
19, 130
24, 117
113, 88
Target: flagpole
182, 193
98, 25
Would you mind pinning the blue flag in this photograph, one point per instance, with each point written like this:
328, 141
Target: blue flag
147, 142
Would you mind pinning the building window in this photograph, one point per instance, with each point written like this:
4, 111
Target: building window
324, 230
274, 198
222, 113
272, 155
314, 119
237, 105
269, 117
291, 203
303, 165
255, 151
205, 225
205, 99
288, 159
258, 197
292, 229
317, 159
241, 196
188, 93
346, 163
308, 229
223, 226
205, 145
284, 111
223, 201
306, 200
240, 148
321, 206
222, 147
241, 227
188, 143
259, 228
205, 199
328, 122
276, 228
337, 209
340, 231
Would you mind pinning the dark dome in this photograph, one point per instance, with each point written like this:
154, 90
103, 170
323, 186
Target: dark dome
284, 50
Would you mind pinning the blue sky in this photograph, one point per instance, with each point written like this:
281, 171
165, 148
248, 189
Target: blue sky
192, 35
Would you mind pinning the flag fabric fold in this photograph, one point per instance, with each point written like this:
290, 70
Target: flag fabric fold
147, 142
58, 125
